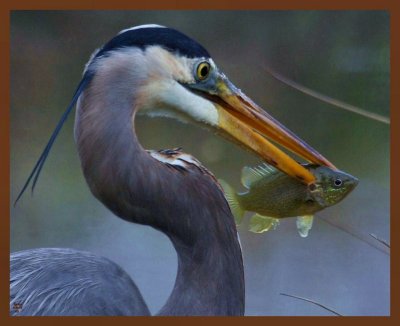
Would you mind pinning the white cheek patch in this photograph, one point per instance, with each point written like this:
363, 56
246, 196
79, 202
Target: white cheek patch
170, 99
170, 65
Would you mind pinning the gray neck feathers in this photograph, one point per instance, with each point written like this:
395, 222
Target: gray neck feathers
187, 206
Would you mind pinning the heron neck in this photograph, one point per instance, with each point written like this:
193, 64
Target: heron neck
209, 281
188, 207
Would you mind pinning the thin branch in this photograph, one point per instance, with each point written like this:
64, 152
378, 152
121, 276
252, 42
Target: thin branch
354, 234
327, 99
313, 302
380, 240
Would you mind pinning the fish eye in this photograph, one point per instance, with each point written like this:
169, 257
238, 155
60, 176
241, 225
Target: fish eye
338, 182
203, 70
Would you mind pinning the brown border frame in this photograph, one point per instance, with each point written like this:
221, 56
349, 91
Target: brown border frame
7, 5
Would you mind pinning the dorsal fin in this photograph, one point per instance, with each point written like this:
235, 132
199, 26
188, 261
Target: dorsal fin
252, 175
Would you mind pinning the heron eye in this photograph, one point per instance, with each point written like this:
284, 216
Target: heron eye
338, 182
203, 70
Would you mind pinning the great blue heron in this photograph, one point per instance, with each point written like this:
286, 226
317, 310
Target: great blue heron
157, 71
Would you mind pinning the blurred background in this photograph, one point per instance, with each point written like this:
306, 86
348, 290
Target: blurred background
342, 54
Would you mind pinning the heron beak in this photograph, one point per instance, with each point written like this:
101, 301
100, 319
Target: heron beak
246, 123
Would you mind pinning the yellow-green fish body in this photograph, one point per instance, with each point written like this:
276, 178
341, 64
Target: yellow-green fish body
274, 195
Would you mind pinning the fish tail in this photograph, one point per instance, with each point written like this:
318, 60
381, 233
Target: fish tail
233, 201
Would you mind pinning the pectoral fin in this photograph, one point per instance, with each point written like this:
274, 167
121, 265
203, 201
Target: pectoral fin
304, 224
260, 224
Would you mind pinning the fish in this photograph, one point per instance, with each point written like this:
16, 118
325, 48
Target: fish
273, 195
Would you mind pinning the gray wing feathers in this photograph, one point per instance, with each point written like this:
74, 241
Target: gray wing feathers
61, 282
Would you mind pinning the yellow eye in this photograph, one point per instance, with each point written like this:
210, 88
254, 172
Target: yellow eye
203, 70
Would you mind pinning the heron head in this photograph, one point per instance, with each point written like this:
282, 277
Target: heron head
166, 73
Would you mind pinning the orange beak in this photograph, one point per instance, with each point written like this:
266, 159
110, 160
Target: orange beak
244, 122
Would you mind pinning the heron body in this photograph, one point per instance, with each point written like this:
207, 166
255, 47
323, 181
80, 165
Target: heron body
81, 284
156, 71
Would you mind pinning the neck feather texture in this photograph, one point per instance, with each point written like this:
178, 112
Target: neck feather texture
187, 206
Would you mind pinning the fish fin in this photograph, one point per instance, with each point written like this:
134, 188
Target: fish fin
252, 175
233, 201
304, 224
260, 223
